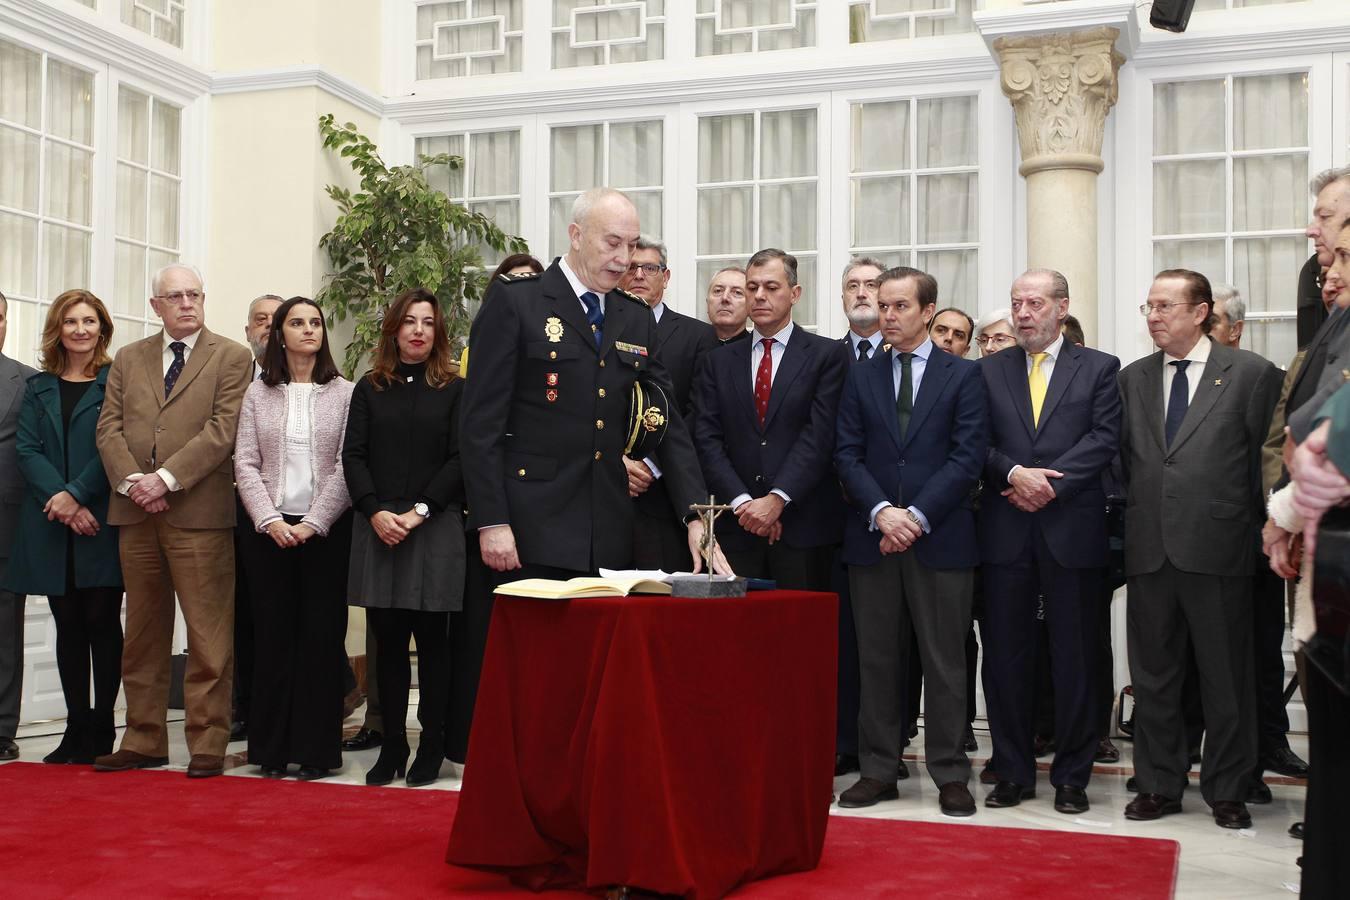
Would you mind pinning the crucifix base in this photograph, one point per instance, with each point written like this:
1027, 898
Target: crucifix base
700, 586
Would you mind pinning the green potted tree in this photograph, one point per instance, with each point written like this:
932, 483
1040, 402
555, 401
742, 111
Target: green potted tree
397, 232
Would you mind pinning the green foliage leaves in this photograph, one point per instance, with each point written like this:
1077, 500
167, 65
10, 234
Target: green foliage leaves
398, 232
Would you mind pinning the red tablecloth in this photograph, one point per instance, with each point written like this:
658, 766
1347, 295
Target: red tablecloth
683, 746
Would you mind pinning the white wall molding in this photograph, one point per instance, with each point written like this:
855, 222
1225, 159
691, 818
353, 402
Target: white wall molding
889, 71
1066, 15
88, 33
302, 76
1243, 43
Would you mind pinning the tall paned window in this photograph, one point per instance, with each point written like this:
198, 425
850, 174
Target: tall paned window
468, 37
149, 188
162, 19
1230, 192
600, 32
46, 185
623, 155
487, 183
758, 180
914, 189
749, 26
889, 20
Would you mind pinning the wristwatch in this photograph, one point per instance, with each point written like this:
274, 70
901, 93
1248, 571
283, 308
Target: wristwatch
422, 510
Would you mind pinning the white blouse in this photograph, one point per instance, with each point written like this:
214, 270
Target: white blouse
298, 477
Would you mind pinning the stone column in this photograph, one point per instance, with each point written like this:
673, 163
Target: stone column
1062, 86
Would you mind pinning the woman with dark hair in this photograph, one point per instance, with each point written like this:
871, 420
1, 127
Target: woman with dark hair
288, 468
401, 458
516, 264
64, 546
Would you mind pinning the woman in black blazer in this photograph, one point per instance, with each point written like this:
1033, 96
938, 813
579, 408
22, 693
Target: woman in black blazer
401, 460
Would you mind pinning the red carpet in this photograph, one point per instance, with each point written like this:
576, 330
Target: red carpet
73, 832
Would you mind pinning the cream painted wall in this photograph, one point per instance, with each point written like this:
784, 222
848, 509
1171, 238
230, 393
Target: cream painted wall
268, 209
342, 36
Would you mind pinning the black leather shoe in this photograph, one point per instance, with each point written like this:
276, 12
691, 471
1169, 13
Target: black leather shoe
392, 763
1197, 756
954, 799
1132, 784
845, 763
903, 772
1070, 800
868, 792
1042, 746
312, 773
1285, 762
238, 731
1007, 793
273, 771
1231, 814
1147, 807
1259, 792
426, 768
8, 749
365, 739
968, 743
1296, 830
1107, 752
988, 775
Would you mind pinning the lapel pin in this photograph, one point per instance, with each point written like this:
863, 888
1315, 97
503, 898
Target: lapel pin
1218, 382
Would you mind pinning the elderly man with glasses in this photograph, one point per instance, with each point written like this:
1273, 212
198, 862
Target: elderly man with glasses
166, 435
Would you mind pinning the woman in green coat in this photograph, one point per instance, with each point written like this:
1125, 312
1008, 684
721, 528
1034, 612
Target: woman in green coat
64, 547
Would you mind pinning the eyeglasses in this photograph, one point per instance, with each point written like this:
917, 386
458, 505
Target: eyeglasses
176, 297
986, 340
1161, 308
651, 270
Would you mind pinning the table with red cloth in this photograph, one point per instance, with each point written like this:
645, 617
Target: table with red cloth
677, 745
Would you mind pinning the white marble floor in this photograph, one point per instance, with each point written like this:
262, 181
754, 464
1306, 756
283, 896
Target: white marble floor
1215, 862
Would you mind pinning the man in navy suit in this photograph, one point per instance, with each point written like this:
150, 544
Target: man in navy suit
764, 431
1054, 414
912, 437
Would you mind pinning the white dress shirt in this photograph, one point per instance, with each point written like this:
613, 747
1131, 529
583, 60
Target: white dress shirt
918, 364
166, 357
657, 310
577, 287
1198, 356
854, 339
780, 341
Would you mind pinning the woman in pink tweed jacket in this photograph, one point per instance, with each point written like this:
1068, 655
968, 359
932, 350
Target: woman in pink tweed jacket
288, 469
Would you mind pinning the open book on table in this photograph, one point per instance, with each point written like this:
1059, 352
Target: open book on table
610, 583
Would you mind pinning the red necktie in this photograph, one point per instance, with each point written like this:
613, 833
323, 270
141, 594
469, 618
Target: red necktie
764, 380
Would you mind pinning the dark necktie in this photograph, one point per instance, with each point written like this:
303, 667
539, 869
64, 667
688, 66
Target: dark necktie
1178, 400
175, 367
596, 316
764, 380
864, 350
904, 401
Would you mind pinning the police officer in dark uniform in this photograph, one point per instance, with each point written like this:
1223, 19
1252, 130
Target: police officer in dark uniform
546, 413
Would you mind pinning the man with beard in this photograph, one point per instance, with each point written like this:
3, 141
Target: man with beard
860, 306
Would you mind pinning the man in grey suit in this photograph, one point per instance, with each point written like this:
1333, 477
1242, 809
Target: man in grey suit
13, 374
1195, 417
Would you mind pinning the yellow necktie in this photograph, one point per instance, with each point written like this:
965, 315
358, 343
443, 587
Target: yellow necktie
1036, 380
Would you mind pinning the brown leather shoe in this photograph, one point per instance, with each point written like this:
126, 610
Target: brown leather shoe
954, 799
123, 760
868, 792
1107, 752
1231, 814
988, 775
204, 765
1147, 807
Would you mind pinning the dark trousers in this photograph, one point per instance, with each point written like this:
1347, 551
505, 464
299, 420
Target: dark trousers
914, 679
393, 630
468, 642
89, 641
1106, 668
1272, 717
1326, 864
243, 619
891, 599
1170, 610
659, 540
11, 661
299, 616
846, 682
793, 568
1012, 596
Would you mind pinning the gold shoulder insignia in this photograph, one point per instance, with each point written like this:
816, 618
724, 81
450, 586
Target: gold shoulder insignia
520, 276
634, 297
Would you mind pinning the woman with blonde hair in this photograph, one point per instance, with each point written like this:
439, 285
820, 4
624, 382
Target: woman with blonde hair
64, 546
401, 459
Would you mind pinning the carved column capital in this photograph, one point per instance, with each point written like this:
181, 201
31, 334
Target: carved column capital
1061, 86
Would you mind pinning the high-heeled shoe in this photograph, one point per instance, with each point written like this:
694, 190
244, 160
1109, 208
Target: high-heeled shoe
426, 768
393, 762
